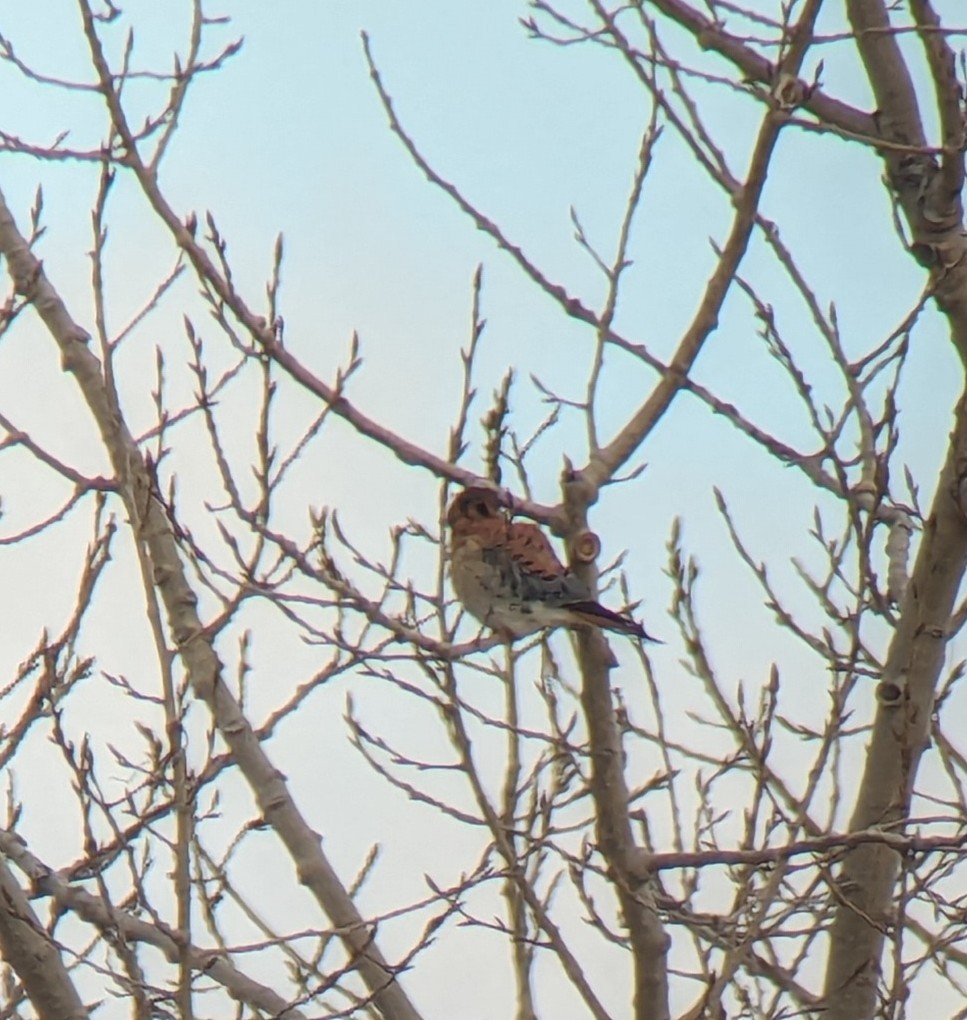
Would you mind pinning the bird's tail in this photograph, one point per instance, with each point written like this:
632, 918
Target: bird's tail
598, 616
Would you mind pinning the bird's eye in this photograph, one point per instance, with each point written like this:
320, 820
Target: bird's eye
482, 508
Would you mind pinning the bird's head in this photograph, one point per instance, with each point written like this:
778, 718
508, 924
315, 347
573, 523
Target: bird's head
474, 504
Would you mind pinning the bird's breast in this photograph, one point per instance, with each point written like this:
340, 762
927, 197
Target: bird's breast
475, 581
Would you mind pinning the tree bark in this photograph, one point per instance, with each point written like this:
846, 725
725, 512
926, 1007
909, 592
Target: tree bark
34, 956
930, 195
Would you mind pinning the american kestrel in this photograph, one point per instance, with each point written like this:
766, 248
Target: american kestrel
508, 576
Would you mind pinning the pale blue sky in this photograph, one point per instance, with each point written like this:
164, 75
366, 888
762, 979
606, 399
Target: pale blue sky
290, 137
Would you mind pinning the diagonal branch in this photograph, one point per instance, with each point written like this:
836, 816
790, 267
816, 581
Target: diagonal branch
104, 916
753, 65
32, 954
152, 527
605, 462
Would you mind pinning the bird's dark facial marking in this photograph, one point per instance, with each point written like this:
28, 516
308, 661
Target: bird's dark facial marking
474, 504
478, 503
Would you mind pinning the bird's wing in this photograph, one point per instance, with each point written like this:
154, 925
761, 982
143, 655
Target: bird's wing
531, 575
532, 570
529, 546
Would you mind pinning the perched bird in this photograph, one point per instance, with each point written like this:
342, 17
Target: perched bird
508, 576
